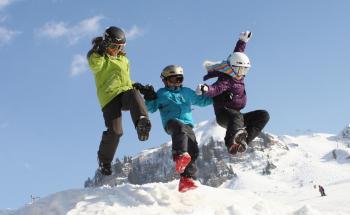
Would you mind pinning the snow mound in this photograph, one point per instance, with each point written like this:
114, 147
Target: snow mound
342, 156
158, 198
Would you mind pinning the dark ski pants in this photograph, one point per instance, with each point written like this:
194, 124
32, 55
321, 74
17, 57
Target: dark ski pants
184, 140
130, 100
234, 120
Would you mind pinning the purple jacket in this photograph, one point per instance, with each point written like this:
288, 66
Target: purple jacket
227, 91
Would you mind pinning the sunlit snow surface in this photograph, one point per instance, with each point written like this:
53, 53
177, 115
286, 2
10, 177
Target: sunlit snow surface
301, 164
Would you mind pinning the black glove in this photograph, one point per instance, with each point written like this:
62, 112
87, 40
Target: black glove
147, 91
138, 86
99, 46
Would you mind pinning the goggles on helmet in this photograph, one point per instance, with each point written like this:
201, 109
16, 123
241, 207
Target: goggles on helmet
116, 46
176, 79
240, 71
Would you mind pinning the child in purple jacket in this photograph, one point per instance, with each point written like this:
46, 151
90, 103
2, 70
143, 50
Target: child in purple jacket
229, 96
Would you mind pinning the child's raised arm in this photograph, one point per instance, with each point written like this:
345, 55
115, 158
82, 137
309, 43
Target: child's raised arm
244, 37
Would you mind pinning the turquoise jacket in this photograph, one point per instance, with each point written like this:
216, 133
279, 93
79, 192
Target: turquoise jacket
176, 104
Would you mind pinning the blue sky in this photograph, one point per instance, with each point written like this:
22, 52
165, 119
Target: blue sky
50, 119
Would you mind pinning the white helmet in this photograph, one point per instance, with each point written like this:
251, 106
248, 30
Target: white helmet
238, 59
172, 70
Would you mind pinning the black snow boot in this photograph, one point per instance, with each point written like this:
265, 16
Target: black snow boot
105, 168
143, 127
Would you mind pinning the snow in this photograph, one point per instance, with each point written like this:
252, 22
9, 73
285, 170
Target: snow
209, 129
301, 164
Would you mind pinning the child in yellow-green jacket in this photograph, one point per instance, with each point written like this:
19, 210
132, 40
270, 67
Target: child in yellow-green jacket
111, 69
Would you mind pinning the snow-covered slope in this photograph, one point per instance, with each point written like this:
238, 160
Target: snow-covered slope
282, 178
152, 199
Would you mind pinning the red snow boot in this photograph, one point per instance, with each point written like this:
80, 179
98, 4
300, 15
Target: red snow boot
186, 184
181, 161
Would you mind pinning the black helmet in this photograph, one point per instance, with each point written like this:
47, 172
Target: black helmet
114, 35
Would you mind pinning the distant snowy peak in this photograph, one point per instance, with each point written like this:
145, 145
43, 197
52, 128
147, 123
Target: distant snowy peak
209, 130
346, 132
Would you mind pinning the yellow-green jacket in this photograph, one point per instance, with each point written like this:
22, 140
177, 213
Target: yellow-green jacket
112, 76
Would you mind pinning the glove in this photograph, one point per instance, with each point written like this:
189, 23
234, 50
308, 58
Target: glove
99, 45
245, 36
147, 91
201, 89
138, 86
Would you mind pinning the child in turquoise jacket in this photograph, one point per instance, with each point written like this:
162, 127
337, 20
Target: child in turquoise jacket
174, 104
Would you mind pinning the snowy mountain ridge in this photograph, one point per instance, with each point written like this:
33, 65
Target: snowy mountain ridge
277, 175
156, 165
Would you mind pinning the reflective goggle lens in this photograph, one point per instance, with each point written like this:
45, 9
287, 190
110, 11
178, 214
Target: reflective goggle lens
240, 71
116, 46
175, 79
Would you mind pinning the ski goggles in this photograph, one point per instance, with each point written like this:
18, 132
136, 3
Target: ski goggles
116, 46
175, 79
240, 71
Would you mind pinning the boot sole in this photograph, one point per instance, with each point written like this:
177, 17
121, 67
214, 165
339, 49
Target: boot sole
143, 128
240, 140
241, 148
